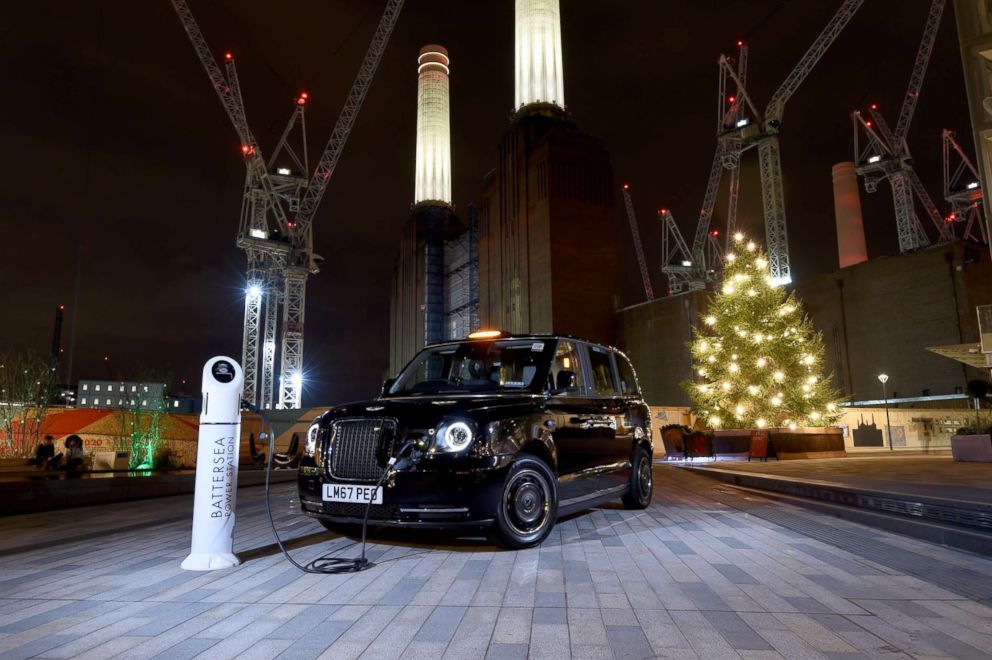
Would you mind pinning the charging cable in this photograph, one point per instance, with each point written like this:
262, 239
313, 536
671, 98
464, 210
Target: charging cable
334, 563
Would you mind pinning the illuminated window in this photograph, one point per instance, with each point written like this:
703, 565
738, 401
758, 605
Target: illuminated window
83, 400
602, 372
134, 388
85, 387
97, 387
108, 402
567, 359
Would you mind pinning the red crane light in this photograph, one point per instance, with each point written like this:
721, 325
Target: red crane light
740, 43
715, 233
626, 186
247, 149
868, 124
302, 98
228, 56
874, 106
731, 99
61, 308
662, 211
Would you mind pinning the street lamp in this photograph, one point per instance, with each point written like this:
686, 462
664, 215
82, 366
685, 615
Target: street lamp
883, 379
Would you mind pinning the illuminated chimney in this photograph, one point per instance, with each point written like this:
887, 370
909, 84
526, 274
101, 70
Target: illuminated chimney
539, 77
433, 178
851, 247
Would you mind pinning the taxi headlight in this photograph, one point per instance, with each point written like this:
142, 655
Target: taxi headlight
312, 434
454, 436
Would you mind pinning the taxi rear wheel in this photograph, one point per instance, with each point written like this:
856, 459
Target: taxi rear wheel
641, 481
528, 504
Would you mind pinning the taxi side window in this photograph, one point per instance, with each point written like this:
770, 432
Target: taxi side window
603, 381
567, 359
628, 383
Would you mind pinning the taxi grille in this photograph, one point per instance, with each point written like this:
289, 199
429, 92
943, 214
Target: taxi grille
359, 448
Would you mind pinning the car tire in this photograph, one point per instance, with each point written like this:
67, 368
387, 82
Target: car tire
528, 504
641, 481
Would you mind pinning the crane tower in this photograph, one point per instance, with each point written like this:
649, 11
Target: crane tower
762, 131
883, 154
276, 226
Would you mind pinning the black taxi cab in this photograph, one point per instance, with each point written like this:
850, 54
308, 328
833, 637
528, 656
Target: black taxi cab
499, 432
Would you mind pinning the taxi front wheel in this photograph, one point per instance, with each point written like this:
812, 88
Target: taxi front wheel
528, 505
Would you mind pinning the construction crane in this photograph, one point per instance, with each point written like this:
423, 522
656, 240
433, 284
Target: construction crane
679, 264
962, 189
302, 261
705, 265
883, 154
638, 248
762, 132
276, 226
263, 220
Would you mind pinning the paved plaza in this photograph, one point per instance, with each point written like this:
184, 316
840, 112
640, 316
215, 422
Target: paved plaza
707, 571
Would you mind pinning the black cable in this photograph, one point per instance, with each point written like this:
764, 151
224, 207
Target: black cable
325, 564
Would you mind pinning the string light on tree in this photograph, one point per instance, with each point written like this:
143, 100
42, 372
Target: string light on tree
784, 384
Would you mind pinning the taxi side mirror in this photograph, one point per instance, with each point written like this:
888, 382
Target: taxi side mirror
388, 383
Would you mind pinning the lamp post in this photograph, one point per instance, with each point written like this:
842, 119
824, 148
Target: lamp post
883, 379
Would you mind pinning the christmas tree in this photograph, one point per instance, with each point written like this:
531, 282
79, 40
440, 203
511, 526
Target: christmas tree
757, 358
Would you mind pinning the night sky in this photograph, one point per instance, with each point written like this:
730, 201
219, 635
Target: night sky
117, 149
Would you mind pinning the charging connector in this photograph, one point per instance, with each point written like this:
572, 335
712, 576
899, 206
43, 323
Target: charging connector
329, 564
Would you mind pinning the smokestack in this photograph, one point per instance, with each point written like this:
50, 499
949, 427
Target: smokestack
539, 77
847, 210
433, 177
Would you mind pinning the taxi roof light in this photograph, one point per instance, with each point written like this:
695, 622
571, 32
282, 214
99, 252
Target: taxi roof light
485, 334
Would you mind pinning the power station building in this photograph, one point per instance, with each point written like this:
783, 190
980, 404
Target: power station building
435, 279
539, 253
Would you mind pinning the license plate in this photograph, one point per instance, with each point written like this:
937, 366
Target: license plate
355, 494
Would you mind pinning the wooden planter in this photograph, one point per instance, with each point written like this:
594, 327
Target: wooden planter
976, 448
731, 444
783, 443
810, 442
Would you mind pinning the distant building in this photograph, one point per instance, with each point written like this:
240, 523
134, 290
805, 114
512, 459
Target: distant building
548, 231
125, 394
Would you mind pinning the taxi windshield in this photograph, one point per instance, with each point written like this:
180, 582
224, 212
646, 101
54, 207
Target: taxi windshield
477, 366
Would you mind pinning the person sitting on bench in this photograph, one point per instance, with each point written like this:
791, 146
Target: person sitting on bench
44, 454
73, 455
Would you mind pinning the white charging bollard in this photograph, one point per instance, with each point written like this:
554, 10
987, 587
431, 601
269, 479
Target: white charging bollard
216, 493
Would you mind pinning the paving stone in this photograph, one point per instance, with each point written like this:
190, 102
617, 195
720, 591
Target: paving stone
441, 624
188, 648
629, 642
507, 652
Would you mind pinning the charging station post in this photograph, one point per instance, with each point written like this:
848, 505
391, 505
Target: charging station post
215, 498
